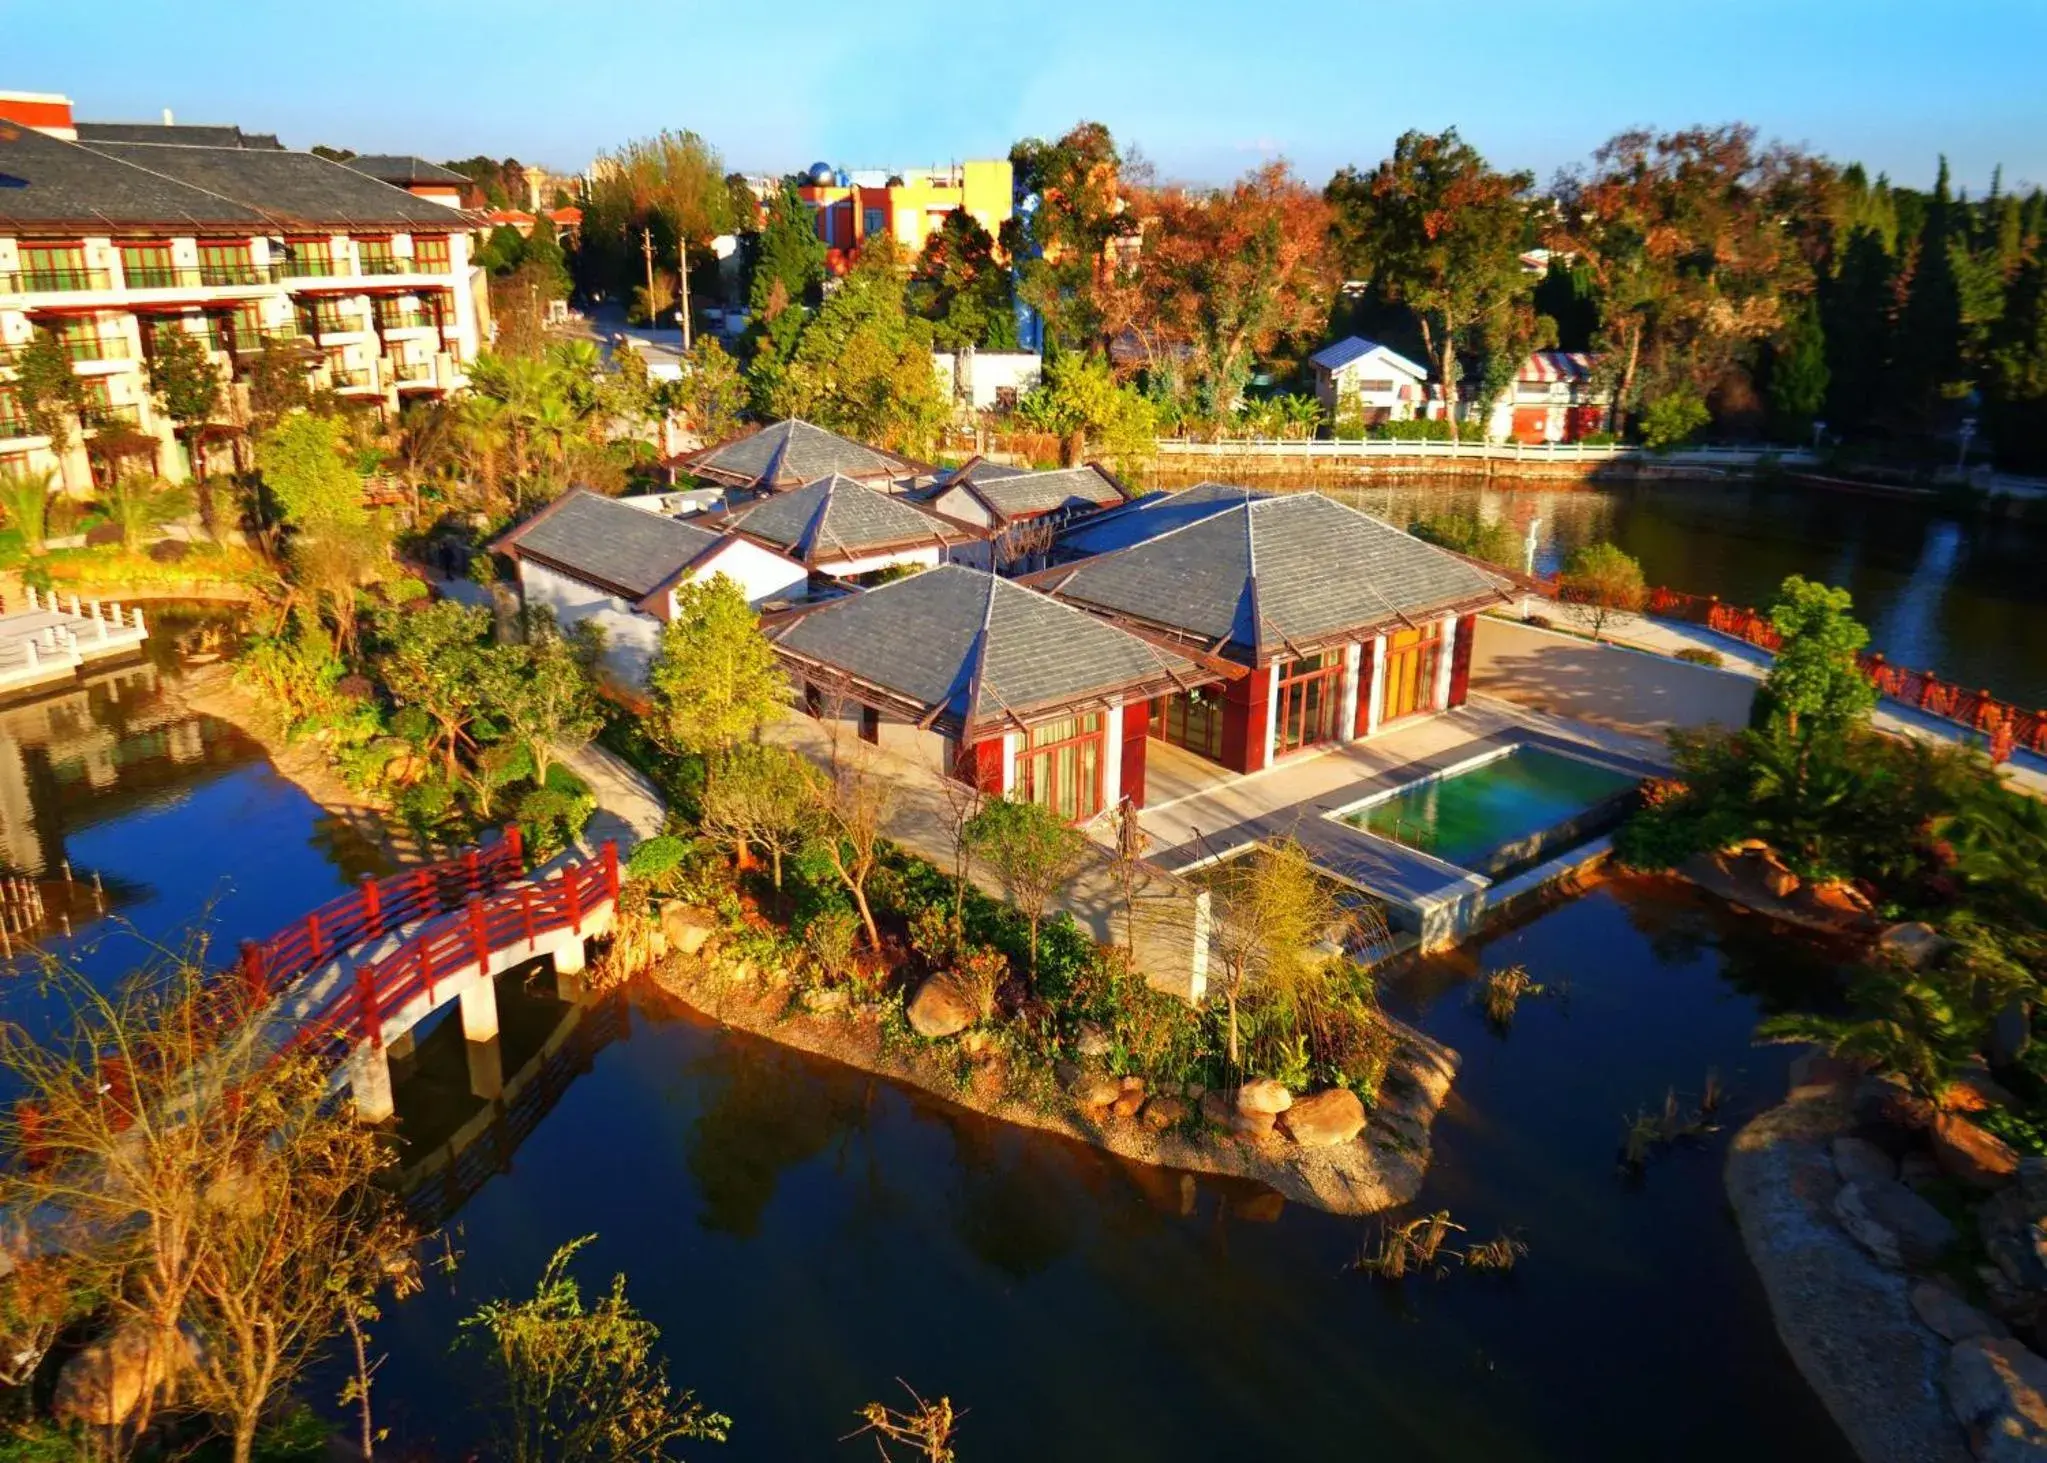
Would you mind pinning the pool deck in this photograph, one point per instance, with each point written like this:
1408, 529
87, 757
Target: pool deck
1204, 812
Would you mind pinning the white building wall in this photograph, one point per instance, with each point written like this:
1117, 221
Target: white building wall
927, 557
630, 638
978, 379
962, 506
1443, 659
1353, 660
1112, 755
762, 573
1378, 689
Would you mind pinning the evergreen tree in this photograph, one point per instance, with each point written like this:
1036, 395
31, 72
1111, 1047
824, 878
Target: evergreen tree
1929, 363
503, 251
959, 286
1798, 375
2016, 375
550, 262
1857, 313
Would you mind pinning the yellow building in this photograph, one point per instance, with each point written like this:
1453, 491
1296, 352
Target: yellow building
911, 205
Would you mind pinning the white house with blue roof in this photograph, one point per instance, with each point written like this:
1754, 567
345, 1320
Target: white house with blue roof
1373, 381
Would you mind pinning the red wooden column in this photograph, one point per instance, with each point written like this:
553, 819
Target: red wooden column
1246, 714
1460, 660
1136, 736
1368, 660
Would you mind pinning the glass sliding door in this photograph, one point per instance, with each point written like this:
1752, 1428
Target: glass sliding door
1411, 660
1060, 767
1193, 721
1310, 700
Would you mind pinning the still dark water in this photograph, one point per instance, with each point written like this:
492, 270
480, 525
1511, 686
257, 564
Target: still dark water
1959, 596
805, 1235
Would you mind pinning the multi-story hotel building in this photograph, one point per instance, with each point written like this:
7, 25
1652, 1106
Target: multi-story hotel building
851, 208
106, 242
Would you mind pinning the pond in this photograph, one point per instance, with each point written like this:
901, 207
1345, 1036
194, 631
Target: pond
1960, 596
804, 1234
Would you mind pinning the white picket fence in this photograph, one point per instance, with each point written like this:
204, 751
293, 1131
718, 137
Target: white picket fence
1308, 448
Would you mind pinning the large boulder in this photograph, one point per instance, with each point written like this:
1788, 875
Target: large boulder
1889, 1105
1219, 1109
1092, 1041
1895, 1225
1858, 1159
1263, 1095
687, 927
1912, 944
1948, 1316
1966, 1152
105, 1382
1130, 1099
1094, 1089
1327, 1118
1998, 1392
1162, 1113
942, 1008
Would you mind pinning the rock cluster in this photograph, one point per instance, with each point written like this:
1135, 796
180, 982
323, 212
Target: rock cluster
1261, 1111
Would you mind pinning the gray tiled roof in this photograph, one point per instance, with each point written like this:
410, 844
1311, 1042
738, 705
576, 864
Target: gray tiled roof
835, 517
61, 183
609, 543
1025, 495
1148, 517
936, 636
292, 188
786, 453
1274, 571
199, 136
399, 170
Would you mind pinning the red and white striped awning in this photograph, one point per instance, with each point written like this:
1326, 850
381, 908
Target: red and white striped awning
1545, 367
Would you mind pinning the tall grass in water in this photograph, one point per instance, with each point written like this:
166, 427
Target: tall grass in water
1500, 992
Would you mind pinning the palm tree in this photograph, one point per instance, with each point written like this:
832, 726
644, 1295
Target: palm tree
1903, 1021
137, 502
25, 498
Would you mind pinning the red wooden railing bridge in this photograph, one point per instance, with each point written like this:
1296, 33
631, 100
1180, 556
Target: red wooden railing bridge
460, 945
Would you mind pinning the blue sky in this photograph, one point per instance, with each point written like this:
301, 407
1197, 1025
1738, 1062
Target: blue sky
1205, 88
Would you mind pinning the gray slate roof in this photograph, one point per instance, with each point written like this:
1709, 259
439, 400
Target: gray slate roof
1148, 517
975, 647
609, 543
786, 453
48, 183
1273, 572
836, 517
1027, 494
194, 136
400, 170
291, 188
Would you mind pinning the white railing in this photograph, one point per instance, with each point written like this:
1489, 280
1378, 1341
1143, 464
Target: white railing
1479, 451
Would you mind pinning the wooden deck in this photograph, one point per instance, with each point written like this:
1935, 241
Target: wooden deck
54, 635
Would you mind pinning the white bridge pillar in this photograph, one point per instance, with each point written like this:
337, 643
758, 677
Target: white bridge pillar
480, 1009
369, 1082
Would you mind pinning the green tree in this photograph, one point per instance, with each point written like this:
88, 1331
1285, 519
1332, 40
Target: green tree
1798, 375
504, 251
1929, 361
2016, 377
764, 797
280, 381
1600, 581
572, 1383
1081, 402
305, 464
541, 695
549, 264
715, 680
1031, 850
1814, 684
1673, 419
1270, 908
25, 499
960, 287
1444, 233
711, 393
435, 664
788, 269
187, 388
51, 396
136, 503
863, 364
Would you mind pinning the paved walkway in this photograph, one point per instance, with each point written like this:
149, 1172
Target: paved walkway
2026, 771
630, 809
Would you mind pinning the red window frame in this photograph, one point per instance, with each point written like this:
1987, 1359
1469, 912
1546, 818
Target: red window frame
1299, 681
1037, 766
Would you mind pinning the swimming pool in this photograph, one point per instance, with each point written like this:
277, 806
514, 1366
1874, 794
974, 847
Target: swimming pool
1491, 815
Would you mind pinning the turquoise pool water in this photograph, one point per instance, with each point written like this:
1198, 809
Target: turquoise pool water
1467, 816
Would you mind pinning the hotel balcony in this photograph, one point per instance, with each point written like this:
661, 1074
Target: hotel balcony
58, 281
376, 266
409, 375
354, 378
117, 414
246, 274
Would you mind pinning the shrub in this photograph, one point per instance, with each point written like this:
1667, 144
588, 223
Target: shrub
653, 860
831, 939
553, 816
1419, 430
1700, 655
1671, 421
169, 551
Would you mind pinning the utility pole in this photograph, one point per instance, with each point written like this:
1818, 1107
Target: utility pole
682, 261
647, 252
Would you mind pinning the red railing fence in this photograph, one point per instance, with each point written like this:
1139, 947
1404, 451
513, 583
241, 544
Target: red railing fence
377, 906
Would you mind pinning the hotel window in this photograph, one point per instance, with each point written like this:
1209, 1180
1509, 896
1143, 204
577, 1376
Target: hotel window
1410, 685
245, 327
1060, 766
374, 256
224, 264
81, 339
431, 253
309, 258
1310, 698
58, 267
873, 221
149, 267
13, 420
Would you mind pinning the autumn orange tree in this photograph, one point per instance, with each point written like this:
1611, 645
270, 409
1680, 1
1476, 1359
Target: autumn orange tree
1229, 275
